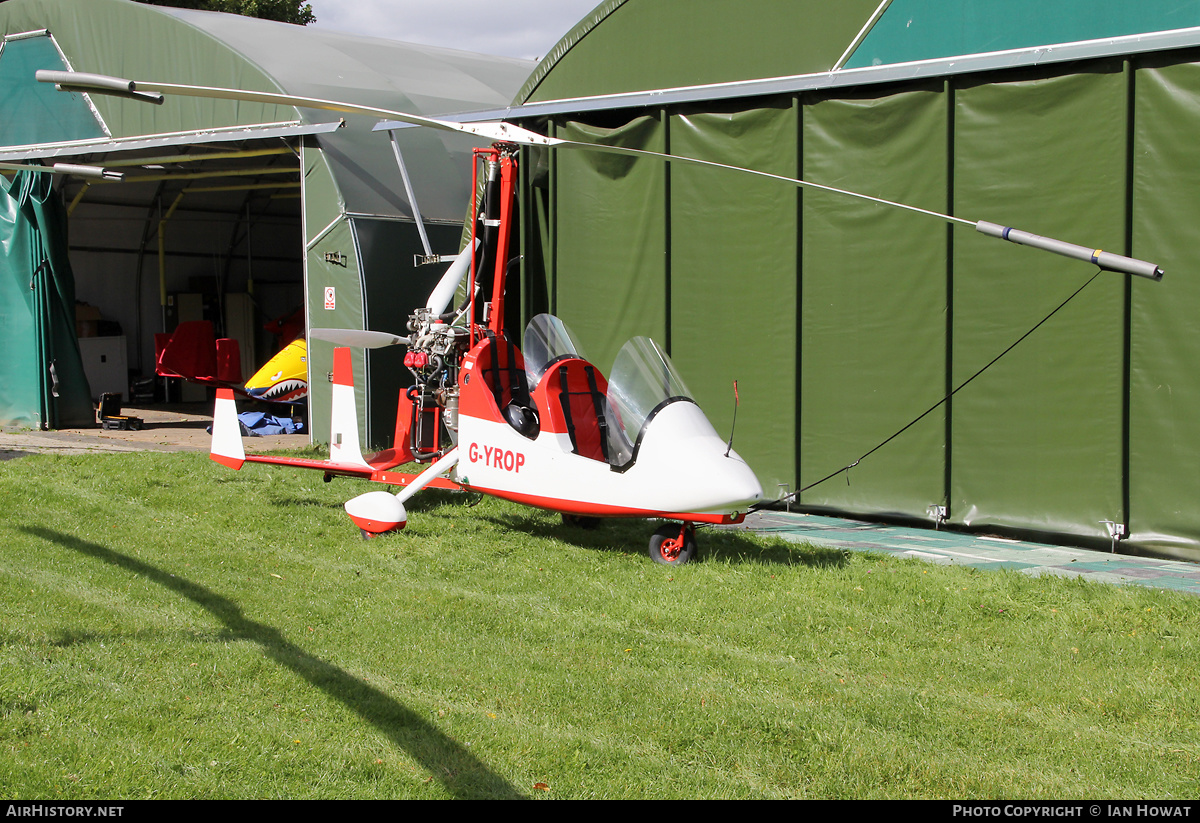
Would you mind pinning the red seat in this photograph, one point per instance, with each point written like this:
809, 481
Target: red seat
572, 399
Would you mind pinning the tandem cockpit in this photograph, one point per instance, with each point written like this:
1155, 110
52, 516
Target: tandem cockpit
600, 419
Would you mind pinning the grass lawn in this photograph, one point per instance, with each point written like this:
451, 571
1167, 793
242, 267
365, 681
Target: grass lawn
172, 629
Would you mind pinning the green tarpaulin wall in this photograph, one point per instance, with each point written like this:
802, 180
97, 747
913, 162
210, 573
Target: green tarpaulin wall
42, 384
923, 29
36, 109
842, 321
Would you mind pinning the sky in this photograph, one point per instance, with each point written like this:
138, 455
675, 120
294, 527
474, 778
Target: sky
507, 28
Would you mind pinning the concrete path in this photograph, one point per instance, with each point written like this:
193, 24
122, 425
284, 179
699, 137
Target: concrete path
169, 428
981, 552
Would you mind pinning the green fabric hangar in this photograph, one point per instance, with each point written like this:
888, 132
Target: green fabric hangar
235, 212
843, 321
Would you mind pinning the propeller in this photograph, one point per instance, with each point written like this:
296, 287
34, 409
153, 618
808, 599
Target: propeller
359, 338
507, 132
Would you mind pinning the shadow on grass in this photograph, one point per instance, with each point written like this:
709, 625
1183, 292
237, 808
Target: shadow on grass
299, 502
427, 500
462, 774
725, 545
728, 544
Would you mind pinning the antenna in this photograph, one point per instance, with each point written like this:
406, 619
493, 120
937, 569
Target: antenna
736, 402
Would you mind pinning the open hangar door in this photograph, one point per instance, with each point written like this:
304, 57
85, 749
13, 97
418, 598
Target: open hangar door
200, 231
235, 230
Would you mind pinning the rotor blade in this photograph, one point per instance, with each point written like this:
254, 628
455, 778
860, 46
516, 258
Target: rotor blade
84, 82
103, 84
507, 132
358, 337
91, 172
1104, 259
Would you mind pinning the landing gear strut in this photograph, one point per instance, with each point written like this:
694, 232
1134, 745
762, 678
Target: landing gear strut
673, 544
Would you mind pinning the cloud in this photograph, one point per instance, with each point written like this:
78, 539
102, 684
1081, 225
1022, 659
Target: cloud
513, 28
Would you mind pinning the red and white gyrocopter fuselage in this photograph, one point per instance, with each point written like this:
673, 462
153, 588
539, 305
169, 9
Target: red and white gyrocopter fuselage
538, 424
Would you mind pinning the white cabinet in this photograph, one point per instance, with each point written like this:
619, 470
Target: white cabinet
106, 365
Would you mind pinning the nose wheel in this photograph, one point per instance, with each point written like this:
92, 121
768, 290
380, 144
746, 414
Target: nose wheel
673, 544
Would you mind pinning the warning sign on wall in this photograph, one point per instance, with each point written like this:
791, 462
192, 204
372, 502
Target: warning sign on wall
330, 298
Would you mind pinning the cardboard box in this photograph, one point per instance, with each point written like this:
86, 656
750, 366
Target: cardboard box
87, 320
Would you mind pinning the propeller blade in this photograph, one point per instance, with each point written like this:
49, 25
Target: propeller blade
443, 293
357, 337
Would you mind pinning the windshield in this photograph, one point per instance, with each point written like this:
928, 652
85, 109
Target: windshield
643, 380
547, 339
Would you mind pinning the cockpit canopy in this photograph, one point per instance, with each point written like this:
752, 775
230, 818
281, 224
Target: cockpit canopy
547, 340
641, 383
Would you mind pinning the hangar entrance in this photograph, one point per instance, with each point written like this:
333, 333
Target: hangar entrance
234, 211
203, 226
199, 231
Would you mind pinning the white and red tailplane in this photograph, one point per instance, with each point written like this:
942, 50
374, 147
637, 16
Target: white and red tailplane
345, 453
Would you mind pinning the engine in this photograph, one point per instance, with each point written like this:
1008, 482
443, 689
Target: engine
433, 357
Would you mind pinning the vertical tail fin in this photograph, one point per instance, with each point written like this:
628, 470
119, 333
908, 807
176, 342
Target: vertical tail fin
343, 431
226, 432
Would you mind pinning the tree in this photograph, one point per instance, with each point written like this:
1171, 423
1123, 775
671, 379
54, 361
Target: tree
285, 11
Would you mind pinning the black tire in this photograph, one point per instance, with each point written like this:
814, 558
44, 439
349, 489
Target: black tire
580, 521
671, 531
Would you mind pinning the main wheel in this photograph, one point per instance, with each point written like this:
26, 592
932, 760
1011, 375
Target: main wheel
580, 521
673, 544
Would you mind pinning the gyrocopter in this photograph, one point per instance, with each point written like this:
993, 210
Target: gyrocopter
535, 423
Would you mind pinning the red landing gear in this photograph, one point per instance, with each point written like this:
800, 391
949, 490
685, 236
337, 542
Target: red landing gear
673, 544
